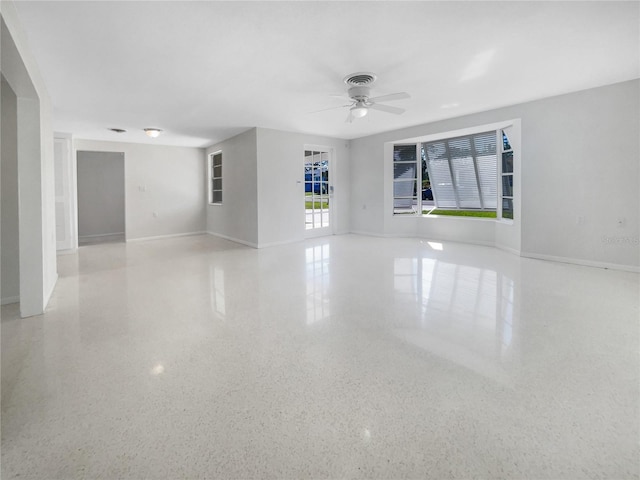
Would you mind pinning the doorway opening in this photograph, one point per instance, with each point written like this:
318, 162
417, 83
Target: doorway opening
101, 197
10, 209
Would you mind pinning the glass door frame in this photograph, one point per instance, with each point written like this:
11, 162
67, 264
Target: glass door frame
316, 231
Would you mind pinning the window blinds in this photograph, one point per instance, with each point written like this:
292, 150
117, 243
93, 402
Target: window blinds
405, 176
463, 171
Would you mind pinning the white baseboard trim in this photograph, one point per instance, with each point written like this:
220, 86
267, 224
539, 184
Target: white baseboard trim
551, 258
160, 237
508, 249
8, 300
67, 251
99, 235
463, 242
283, 242
584, 263
421, 237
298, 240
232, 239
376, 234
48, 294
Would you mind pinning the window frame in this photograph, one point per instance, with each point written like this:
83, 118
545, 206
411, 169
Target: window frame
501, 135
416, 180
211, 178
510, 127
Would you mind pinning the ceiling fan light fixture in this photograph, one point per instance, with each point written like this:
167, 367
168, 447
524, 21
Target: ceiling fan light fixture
359, 111
152, 132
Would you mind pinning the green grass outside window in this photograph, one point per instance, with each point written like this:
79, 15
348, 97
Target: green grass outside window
462, 213
315, 205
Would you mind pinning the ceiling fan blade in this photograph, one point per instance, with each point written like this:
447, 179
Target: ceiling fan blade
391, 97
349, 117
331, 108
387, 108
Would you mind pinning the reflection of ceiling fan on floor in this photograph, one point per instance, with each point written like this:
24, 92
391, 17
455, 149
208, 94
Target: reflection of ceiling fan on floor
361, 101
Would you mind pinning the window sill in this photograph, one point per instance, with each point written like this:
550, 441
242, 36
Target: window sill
504, 221
461, 217
454, 217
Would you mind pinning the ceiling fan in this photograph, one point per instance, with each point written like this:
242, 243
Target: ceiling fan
361, 101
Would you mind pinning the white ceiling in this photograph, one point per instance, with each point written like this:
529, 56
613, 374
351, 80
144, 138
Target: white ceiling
204, 71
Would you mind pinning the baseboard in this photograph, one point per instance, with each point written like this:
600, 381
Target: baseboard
279, 243
67, 251
479, 243
100, 235
421, 237
508, 249
48, 294
8, 300
551, 258
376, 234
87, 240
160, 237
298, 240
584, 263
232, 239
275, 244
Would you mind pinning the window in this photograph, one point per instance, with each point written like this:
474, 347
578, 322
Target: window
215, 178
507, 177
464, 175
405, 179
463, 171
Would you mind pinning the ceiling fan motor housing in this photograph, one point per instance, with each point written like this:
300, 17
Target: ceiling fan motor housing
359, 94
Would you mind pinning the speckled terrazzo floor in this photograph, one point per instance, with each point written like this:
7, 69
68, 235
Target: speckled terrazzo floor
338, 357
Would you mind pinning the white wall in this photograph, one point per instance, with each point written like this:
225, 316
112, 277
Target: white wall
164, 187
65, 185
10, 246
100, 194
281, 184
581, 158
237, 217
35, 166
367, 185
579, 171
263, 187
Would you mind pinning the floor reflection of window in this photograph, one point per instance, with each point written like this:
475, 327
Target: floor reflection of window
485, 299
506, 299
407, 286
318, 283
426, 279
405, 276
216, 277
464, 302
443, 288
459, 311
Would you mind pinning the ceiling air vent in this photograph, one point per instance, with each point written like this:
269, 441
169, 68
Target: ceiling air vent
360, 79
